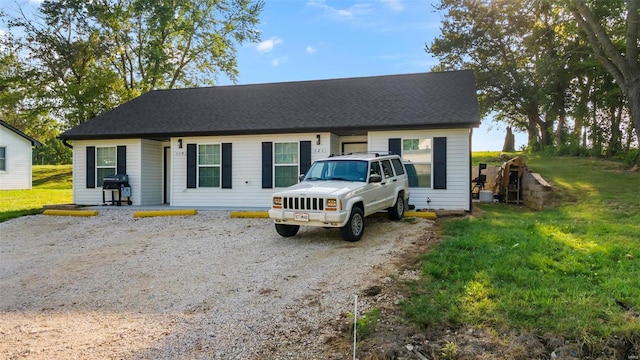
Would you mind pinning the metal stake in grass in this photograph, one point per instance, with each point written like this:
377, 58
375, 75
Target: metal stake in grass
355, 324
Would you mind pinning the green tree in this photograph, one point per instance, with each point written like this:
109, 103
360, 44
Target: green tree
536, 72
72, 82
52, 152
612, 29
92, 56
17, 109
519, 52
169, 43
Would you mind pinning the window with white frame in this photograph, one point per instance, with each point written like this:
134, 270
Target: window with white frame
286, 160
209, 165
105, 162
418, 154
3, 158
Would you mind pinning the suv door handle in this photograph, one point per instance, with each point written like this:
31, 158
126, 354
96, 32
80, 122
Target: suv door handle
394, 180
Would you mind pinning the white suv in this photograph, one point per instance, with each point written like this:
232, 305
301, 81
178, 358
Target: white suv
340, 191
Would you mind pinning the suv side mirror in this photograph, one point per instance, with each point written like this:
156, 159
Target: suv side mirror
301, 177
375, 178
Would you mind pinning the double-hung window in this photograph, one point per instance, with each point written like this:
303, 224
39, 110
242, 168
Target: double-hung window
105, 162
286, 164
418, 154
3, 158
209, 165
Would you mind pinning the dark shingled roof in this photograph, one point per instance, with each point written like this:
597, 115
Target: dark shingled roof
341, 106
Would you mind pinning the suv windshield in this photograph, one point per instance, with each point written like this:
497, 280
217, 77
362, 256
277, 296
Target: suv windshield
345, 170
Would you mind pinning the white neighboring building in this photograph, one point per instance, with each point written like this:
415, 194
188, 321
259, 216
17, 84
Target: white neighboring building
233, 146
15, 158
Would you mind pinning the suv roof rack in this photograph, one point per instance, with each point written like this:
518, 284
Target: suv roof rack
375, 153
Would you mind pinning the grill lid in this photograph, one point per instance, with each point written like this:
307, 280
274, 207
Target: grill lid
120, 178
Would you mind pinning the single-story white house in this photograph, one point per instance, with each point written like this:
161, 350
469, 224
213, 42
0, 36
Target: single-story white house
233, 146
15, 158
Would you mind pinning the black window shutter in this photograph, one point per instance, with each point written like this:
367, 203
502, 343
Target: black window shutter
267, 165
440, 163
395, 146
226, 165
121, 155
192, 157
305, 156
91, 167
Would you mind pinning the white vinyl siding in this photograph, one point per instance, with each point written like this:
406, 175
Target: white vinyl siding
145, 164
147, 192
246, 189
457, 195
16, 174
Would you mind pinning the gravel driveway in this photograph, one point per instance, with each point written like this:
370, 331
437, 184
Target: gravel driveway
204, 286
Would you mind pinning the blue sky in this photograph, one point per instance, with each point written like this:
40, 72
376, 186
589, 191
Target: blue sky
326, 39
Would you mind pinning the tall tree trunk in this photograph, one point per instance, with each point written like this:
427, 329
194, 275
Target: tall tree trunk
582, 112
559, 109
558, 136
509, 141
632, 92
615, 144
624, 66
533, 140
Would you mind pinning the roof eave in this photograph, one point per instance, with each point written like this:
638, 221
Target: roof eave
33, 141
341, 130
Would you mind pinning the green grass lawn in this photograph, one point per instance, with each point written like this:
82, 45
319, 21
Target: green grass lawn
572, 270
51, 185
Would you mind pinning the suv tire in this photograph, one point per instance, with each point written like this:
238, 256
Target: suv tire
354, 228
396, 212
287, 230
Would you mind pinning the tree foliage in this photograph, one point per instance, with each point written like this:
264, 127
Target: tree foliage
18, 107
612, 29
536, 72
85, 57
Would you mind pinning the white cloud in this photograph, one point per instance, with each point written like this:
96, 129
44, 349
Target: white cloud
278, 61
395, 5
350, 12
311, 49
268, 45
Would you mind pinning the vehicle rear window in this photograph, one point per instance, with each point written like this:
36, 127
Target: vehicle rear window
386, 167
397, 165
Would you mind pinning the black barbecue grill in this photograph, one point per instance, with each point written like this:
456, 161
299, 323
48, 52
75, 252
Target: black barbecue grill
116, 183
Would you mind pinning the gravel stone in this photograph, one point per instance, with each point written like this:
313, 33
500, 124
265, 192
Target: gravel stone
185, 287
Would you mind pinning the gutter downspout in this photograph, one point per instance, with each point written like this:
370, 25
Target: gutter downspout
65, 143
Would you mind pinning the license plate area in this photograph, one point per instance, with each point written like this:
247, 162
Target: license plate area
301, 217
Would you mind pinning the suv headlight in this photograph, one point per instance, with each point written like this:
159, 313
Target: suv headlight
332, 203
277, 201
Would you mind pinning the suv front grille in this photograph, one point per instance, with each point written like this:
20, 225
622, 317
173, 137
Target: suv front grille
303, 203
